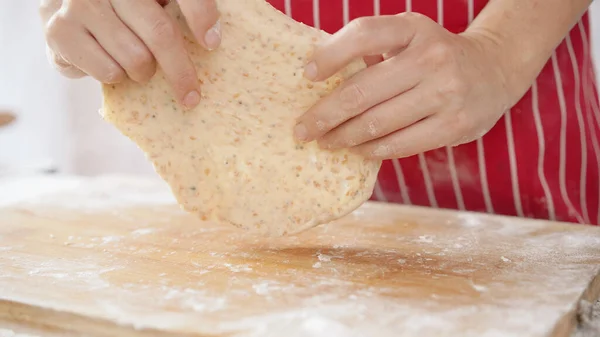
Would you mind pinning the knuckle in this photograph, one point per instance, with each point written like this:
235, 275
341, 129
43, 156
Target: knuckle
55, 59
386, 150
361, 28
141, 59
456, 89
211, 11
439, 52
374, 127
356, 25
63, 66
71, 72
163, 32
411, 16
363, 23
463, 120
56, 26
75, 6
59, 62
46, 7
461, 123
353, 99
185, 80
114, 74
78, 8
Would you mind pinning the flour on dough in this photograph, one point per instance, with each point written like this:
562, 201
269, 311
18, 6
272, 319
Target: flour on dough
233, 158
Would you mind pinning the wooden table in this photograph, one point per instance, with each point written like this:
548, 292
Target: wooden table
114, 256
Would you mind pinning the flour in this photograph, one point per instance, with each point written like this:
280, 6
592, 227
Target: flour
322, 327
87, 273
195, 299
238, 268
324, 258
477, 287
110, 239
11, 333
504, 225
426, 239
261, 288
143, 231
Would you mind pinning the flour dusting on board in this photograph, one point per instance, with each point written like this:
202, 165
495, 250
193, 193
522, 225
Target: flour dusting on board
11, 333
384, 271
143, 231
84, 271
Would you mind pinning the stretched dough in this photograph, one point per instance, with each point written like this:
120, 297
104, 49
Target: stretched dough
233, 158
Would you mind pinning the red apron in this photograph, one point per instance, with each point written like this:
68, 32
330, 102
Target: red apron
541, 160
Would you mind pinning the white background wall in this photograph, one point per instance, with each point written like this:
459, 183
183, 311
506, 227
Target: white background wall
58, 122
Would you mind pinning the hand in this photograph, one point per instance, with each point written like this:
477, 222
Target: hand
431, 89
6, 118
113, 39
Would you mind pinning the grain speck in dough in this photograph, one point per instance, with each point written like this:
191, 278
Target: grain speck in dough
233, 158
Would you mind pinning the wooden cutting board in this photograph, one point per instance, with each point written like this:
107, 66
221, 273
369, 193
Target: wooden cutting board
116, 257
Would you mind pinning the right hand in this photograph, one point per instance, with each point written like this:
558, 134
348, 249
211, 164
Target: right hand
110, 40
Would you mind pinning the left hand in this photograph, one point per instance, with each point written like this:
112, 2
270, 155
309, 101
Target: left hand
430, 88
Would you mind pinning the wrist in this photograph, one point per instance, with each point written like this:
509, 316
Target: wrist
516, 67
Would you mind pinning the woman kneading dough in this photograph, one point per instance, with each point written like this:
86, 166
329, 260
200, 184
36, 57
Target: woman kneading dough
473, 105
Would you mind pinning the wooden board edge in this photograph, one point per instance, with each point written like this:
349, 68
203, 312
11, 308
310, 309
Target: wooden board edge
570, 321
452, 213
34, 320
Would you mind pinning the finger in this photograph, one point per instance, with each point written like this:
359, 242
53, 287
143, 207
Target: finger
84, 52
428, 134
122, 44
47, 8
361, 92
362, 37
202, 17
373, 60
163, 37
381, 120
62, 66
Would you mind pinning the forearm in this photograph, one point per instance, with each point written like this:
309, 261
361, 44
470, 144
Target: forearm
525, 33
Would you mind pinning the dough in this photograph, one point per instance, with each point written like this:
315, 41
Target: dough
233, 158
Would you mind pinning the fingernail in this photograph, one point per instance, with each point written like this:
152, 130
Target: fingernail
191, 99
213, 36
310, 71
301, 132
